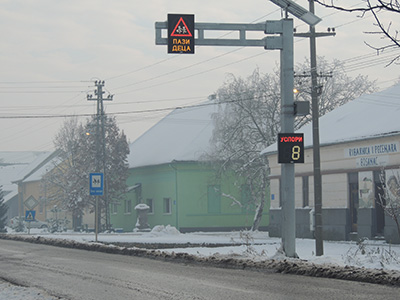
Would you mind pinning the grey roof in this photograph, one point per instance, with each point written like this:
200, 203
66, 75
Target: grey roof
183, 135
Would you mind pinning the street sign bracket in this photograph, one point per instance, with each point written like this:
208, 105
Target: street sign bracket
269, 27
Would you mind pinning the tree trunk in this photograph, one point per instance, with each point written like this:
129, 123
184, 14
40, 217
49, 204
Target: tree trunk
260, 207
257, 217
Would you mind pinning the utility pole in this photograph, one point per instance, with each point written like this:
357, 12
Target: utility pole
312, 35
319, 245
100, 158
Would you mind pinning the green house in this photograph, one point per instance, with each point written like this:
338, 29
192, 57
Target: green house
169, 175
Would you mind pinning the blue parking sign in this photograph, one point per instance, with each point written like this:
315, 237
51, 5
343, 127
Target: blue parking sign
96, 184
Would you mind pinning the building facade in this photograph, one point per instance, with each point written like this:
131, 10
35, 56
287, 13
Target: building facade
188, 196
168, 174
360, 161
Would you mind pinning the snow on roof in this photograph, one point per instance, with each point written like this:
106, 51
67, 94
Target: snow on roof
35, 170
14, 166
7, 175
43, 170
369, 116
183, 135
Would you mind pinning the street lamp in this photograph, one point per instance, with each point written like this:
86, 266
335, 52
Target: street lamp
298, 11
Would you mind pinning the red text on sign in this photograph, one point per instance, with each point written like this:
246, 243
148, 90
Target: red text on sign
291, 139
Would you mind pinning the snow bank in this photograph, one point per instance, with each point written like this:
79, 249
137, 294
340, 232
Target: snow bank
280, 265
165, 230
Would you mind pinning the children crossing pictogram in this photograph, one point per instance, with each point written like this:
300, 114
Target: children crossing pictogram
181, 29
30, 215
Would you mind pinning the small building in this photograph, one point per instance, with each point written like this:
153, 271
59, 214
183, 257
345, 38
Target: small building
13, 166
31, 193
35, 193
169, 174
360, 153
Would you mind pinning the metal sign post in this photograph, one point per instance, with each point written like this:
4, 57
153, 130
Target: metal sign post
283, 41
287, 126
30, 217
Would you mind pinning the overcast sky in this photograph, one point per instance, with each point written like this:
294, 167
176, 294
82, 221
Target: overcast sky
52, 51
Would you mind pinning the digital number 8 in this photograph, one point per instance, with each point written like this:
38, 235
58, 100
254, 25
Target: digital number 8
296, 152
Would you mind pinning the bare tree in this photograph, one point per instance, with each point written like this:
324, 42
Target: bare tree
67, 183
384, 28
335, 87
248, 120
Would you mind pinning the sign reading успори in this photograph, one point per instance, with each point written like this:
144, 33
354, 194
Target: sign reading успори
290, 148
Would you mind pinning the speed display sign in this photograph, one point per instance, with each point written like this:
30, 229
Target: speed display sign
290, 148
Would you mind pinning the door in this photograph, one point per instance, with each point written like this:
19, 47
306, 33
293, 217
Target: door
353, 201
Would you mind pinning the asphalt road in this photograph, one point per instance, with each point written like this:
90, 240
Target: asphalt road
79, 274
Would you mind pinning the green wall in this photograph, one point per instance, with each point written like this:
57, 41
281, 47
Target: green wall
199, 200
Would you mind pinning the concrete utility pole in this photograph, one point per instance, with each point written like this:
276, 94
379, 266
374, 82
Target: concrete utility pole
319, 245
101, 149
312, 35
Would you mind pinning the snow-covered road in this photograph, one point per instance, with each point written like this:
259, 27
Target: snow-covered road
374, 256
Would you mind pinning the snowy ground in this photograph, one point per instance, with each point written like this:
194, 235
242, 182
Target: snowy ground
250, 246
12, 292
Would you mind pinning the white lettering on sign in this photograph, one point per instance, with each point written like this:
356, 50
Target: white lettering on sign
372, 161
378, 149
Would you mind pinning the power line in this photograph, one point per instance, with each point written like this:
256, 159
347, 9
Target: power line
353, 67
174, 57
117, 113
195, 74
177, 70
162, 75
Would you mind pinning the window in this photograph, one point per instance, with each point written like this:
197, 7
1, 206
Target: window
149, 202
353, 200
167, 206
306, 201
128, 206
214, 199
114, 208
